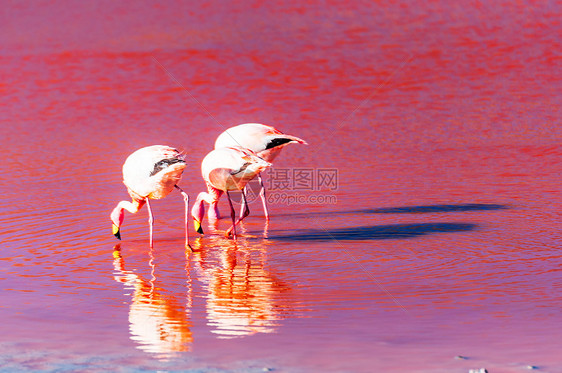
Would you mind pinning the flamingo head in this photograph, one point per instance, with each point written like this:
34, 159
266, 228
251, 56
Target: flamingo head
117, 216
197, 213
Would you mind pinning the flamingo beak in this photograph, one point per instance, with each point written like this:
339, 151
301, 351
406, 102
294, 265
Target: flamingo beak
116, 232
197, 225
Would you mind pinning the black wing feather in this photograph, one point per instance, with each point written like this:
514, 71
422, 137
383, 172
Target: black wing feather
276, 142
159, 166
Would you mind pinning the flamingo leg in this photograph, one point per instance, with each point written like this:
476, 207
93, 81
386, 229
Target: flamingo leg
232, 216
263, 198
245, 212
150, 220
242, 205
186, 200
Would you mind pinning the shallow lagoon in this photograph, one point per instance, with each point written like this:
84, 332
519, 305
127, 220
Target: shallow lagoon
438, 238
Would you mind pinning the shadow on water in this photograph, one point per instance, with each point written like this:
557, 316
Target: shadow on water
423, 209
435, 208
380, 232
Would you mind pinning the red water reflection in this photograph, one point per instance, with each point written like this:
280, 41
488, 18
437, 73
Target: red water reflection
157, 322
441, 119
243, 297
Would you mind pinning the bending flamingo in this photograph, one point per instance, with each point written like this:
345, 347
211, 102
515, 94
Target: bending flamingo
263, 140
150, 173
226, 169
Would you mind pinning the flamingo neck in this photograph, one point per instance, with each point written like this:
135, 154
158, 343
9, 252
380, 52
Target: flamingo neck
198, 209
118, 213
212, 198
214, 194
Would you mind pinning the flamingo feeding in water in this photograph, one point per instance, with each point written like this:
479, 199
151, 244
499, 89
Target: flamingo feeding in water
150, 173
263, 140
226, 169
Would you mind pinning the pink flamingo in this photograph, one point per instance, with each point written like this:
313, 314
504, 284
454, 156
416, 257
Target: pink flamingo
224, 170
263, 140
150, 173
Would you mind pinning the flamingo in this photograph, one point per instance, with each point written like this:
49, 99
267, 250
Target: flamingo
151, 172
226, 169
263, 140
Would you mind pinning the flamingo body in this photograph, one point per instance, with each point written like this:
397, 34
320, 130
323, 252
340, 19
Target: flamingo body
231, 168
226, 169
263, 140
151, 172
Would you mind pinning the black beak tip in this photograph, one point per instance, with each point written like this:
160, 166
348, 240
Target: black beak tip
118, 235
200, 230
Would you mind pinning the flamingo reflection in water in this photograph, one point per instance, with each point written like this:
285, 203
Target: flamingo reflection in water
157, 323
243, 298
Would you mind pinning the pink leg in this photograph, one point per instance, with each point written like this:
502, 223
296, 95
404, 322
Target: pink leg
186, 200
263, 198
150, 220
245, 212
232, 216
242, 205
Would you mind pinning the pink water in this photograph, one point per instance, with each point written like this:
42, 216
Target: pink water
441, 237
